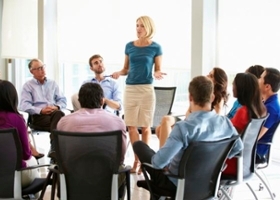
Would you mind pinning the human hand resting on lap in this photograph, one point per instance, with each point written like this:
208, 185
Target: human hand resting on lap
48, 110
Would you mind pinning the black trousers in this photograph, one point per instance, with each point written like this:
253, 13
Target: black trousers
145, 153
47, 122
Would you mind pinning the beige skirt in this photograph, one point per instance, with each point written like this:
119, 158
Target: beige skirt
139, 105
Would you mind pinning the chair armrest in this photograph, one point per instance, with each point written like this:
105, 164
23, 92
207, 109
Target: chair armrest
168, 173
177, 114
25, 115
164, 171
125, 169
54, 168
148, 165
224, 167
266, 143
67, 110
34, 167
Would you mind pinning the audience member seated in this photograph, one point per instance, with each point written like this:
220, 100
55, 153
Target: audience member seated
42, 99
269, 84
110, 87
202, 124
220, 80
246, 89
257, 70
92, 118
11, 118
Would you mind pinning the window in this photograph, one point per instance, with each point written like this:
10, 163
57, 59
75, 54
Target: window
108, 25
248, 34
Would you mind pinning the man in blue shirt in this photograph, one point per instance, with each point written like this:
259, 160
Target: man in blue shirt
269, 83
110, 87
42, 99
202, 124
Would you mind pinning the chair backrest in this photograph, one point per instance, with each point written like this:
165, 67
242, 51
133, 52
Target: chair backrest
88, 162
10, 159
201, 166
164, 102
249, 138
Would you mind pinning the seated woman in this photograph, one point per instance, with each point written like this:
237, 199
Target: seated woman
220, 80
257, 70
245, 88
10, 118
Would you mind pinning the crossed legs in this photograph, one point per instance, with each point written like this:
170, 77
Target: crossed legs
145, 154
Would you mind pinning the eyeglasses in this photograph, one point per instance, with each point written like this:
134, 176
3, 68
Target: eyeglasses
40, 68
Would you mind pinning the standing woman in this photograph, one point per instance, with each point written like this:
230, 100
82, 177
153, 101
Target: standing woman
11, 118
141, 56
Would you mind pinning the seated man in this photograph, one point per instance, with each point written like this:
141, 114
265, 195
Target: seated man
202, 124
42, 99
269, 83
92, 118
112, 92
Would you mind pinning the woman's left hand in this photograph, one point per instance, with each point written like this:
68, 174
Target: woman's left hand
159, 75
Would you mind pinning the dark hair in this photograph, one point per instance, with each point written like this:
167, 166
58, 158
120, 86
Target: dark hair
220, 86
91, 95
272, 78
201, 88
8, 97
257, 70
93, 57
248, 94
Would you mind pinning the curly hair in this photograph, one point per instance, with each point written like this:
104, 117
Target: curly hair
220, 86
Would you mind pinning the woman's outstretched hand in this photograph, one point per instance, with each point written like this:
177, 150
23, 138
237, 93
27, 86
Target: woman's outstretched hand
159, 75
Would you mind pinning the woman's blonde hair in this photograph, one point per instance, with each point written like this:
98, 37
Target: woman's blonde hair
149, 26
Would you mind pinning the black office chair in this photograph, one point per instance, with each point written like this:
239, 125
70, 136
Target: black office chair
264, 161
10, 168
88, 165
199, 171
246, 159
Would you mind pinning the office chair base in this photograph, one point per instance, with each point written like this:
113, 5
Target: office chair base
272, 195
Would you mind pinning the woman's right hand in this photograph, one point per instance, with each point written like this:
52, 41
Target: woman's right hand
116, 75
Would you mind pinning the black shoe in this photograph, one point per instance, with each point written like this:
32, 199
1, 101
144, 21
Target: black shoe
40, 155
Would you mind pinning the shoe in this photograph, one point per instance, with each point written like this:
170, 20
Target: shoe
40, 155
